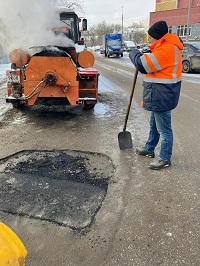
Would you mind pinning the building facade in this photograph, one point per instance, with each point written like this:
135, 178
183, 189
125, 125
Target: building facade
182, 17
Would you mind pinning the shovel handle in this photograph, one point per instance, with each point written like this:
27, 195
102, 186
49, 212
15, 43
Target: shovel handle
130, 99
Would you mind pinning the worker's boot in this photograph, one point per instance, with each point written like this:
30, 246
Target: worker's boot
143, 152
159, 164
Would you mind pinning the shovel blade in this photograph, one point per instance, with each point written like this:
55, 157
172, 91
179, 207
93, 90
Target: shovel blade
125, 140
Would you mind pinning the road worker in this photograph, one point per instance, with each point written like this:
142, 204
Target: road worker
162, 83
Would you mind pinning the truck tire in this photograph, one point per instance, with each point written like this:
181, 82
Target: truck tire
88, 106
18, 105
122, 55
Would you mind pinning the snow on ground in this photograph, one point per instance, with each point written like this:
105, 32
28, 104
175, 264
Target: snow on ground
3, 68
4, 107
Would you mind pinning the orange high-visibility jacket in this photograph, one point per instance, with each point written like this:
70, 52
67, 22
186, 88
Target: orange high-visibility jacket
164, 63
163, 70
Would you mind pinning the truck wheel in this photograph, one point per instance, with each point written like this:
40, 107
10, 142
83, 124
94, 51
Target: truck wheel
18, 105
122, 55
88, 106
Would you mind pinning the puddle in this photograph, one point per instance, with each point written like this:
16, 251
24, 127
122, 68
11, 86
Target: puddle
102, 110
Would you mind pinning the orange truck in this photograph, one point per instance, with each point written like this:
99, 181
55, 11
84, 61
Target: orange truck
58, 74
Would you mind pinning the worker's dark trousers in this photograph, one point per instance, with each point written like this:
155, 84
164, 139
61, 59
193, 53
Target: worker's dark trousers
160, 128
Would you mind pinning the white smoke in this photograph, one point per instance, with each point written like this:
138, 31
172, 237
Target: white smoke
27, 23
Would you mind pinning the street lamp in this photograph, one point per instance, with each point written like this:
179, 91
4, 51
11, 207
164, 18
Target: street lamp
122, 23
188, 20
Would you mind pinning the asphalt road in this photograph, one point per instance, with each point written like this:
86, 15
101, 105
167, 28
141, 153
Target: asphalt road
143, 217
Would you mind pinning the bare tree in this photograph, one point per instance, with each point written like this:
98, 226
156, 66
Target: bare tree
77, 5
95, 34
135, 32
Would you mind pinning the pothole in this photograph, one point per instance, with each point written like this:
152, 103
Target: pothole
65, 187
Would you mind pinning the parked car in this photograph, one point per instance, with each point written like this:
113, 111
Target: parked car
101, 49
145, 48
191, 57
129, 45
97, 48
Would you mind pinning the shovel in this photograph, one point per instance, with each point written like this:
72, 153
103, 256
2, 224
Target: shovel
124, 137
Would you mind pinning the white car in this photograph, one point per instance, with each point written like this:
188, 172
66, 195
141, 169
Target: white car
97, 48
129, 45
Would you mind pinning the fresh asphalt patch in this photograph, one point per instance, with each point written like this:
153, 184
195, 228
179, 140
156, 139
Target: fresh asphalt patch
63, 187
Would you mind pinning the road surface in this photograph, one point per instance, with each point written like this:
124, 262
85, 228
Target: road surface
133, 215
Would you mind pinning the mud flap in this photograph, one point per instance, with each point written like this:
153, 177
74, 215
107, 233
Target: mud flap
12, 250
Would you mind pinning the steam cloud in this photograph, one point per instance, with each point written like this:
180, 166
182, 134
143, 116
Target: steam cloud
26, 23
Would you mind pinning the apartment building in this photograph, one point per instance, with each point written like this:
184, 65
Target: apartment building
182, 17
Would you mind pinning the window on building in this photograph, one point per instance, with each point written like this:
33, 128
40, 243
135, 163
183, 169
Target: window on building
170, 29
182, 30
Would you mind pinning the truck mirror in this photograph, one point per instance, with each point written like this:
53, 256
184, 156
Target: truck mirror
84, 24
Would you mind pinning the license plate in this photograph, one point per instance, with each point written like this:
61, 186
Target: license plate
13, 79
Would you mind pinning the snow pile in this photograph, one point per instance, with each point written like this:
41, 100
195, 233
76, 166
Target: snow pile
27, 23
3, 68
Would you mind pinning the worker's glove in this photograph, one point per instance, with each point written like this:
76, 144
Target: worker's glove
134, 52
146, 51
132, 48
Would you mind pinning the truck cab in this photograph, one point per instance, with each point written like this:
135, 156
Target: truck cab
71, 26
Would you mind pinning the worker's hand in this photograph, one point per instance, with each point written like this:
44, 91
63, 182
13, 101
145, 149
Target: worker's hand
132, 48
146, 51
134, 52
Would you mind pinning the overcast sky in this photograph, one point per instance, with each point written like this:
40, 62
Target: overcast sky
111, 11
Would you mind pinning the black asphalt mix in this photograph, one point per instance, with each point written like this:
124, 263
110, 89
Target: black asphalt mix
64, 187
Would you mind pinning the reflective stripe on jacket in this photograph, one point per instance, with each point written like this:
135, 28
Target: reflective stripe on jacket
164, 64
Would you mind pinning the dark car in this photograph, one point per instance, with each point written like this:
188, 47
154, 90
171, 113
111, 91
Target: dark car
144, 48
191, 57
101, 49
